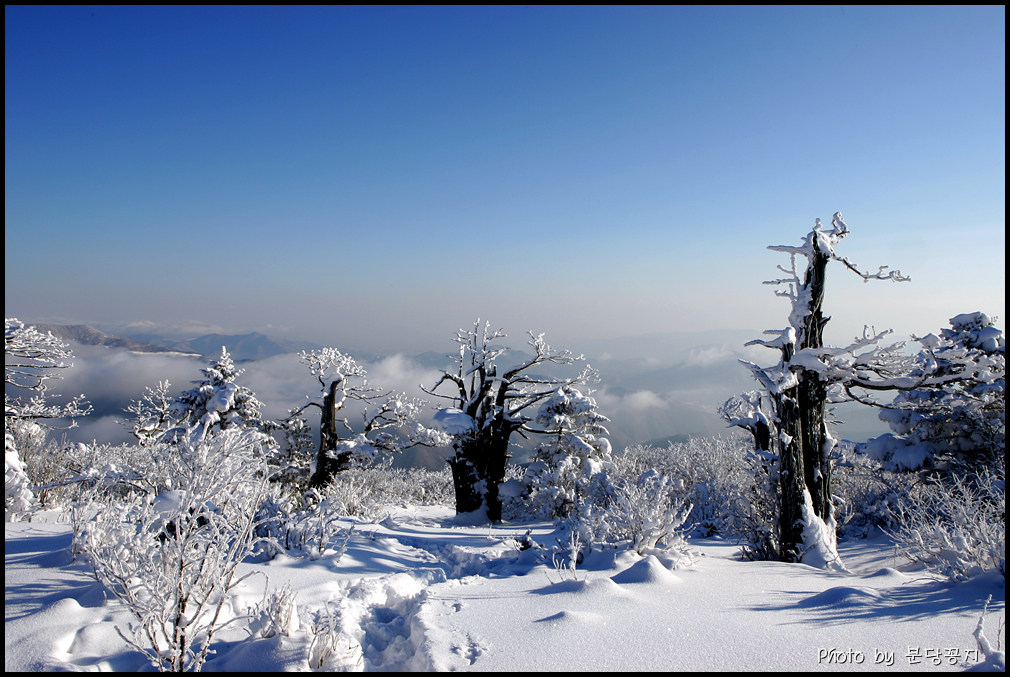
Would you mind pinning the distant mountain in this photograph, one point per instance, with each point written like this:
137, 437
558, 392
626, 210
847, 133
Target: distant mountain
243, 347
89, 336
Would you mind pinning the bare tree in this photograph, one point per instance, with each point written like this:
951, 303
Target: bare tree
490, 406
789, 417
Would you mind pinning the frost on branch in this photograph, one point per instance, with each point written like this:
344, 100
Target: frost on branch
31, 360
152, 414
955, 526
489, 403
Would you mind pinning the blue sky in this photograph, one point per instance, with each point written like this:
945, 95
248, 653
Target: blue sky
380, 176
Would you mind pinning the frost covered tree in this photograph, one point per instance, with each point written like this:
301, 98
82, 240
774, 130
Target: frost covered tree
570, 454
956, 427
490, 405
341, 381
789, 418
216, 402
31, 360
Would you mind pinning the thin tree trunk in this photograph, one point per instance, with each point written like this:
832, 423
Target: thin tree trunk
326, 466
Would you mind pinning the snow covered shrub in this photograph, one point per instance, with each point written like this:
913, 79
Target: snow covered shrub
311, 530
331, 649
370, 492
955, 528
643, 515
569, 457
42, 460
276, 615
310, 524
866, 495
18, 497
993, 659
711, 472
31, 360
759, 523
172, 560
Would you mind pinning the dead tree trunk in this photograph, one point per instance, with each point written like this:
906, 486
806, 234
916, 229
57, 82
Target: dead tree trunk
803, 440
328, 463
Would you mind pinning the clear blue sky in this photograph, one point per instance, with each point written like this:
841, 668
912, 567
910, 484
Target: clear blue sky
381, 176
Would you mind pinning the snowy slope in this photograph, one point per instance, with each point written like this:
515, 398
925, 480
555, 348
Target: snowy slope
421, 591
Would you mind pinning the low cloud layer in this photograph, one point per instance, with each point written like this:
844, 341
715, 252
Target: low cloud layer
645, 399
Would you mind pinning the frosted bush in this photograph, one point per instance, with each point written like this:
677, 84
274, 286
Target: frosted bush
866, 495
312, 530
710, 473
172, 560
331, 649
276, 615
312, 523
993, 658
66, 473
955, 528
643, 515
369, 492
18, 497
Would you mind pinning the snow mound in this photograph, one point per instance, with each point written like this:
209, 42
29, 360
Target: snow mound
887, 572
842, 596
648, 570
591, 586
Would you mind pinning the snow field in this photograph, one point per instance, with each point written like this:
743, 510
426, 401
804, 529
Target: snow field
423, 591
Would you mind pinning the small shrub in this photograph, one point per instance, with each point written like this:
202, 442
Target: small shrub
957, 527
866, 495
643, 515
710, 473
370, 492
276, 615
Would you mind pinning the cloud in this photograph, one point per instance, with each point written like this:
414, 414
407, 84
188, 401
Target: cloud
402, 374
644, 399
709, 355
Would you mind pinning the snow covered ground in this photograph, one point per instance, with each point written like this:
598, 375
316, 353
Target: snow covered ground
421, 591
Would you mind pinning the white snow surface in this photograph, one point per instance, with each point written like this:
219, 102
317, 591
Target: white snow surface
422, 591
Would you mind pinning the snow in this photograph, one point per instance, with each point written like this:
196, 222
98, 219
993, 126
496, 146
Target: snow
454, 421
422, 590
